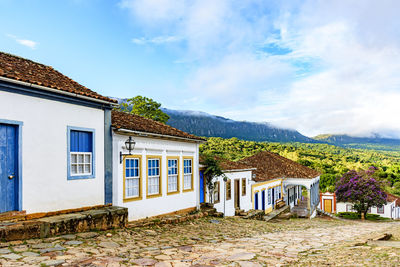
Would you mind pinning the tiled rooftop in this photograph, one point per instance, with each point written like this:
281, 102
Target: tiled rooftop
128, 121
271, 166
21, 69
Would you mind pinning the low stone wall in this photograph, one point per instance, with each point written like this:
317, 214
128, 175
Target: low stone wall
96, 219
171, 219
255, 215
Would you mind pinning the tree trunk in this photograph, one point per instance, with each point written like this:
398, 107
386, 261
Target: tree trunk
363, 215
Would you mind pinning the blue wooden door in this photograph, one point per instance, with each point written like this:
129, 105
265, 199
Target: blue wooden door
263, 200
8, 168
201, 187
256, 201
273, 197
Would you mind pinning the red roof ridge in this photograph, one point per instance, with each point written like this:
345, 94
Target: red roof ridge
391, 197
22, 69
125, 120
270, 166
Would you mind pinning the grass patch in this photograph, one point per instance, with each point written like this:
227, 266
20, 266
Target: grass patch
357, 216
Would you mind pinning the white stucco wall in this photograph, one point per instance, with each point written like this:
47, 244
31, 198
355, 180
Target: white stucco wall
260, 186
146, 146
44, 152
245, 201
341, 207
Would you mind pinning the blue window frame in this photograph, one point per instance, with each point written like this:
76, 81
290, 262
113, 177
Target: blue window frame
81, 153
256, 201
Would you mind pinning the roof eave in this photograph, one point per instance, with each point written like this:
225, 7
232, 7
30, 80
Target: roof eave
147, 134
57, 91
238, 170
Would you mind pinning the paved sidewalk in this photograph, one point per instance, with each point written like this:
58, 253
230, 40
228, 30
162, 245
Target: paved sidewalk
220, 242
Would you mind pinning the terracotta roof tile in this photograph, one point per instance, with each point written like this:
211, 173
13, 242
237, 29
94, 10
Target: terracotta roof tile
25, 70
128, 121
271, 166
391, 198
233, 165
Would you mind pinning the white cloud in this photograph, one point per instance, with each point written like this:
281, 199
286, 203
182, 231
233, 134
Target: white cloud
340, 73
239, 79
159, 40
28, 43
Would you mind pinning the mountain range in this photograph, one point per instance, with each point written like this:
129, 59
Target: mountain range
207, 125
204, 124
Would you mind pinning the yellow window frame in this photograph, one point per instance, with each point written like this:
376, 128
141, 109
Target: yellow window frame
128, 199
147, 177
178, 178
183, 176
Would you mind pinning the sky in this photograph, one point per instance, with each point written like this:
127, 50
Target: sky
328, 66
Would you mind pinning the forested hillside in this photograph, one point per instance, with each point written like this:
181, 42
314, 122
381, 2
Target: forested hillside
375, 143
203, 124
330, 160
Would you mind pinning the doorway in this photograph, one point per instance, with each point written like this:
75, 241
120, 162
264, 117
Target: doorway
273, 197
328, 205
9, 182
237, 194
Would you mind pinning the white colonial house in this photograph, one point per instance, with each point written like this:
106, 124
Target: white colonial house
390, 210
53, 136
160, 174
232, 191
268, 179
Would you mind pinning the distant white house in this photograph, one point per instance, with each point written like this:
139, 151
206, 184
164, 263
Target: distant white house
161, 174
233, 190
267, 179
53, 136
390, 210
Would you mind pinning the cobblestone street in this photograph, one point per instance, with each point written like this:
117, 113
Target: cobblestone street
216, 241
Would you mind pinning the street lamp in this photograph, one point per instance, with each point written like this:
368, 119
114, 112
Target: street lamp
129, 145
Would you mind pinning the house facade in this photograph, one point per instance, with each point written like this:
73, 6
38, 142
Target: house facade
264, 178
53, 136
390, 210
278, 179
266, 195
161, 174
232, 191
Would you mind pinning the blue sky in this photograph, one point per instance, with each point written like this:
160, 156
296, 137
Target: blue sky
316, 66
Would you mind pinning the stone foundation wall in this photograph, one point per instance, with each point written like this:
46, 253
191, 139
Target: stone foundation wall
96, 219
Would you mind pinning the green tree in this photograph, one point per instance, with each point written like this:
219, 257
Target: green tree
362, 189
145, 107
212, 169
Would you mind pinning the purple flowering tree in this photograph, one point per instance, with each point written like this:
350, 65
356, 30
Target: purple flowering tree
362, 189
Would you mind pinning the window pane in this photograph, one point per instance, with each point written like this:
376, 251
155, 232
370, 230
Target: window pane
73, 158
80, 168
87, 158
80, 158
87, 168
74, 169
172, 183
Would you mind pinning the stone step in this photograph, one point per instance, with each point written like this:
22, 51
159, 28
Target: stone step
240, 212
206, 205
12, 216
275, 213
254, 214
